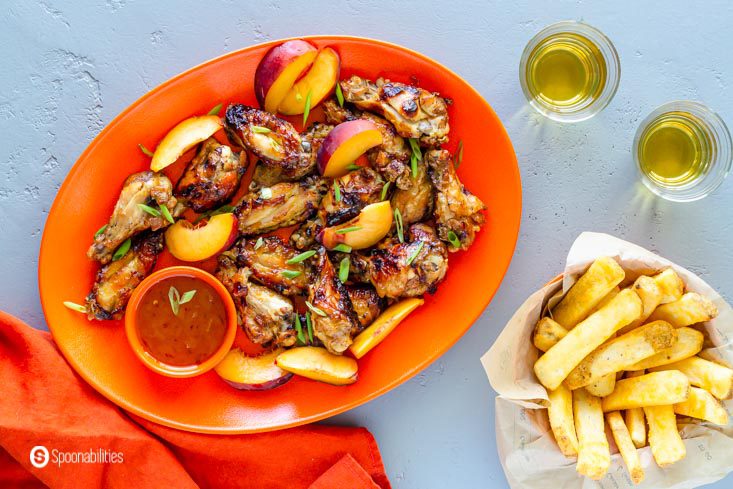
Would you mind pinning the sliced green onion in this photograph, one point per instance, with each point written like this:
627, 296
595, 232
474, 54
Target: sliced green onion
344, 269
307, 110
174, 298
122, 250
215, 110
336, 191
453, 238
291, 273
315, 309
225, 209
298, 96
260, 130
399, 225
299, 328
348, 230
145, 150
75, 307
339, 94
342, 247
166, 213
458, 158
415, 147
149, 210
100, 230
353, 167
415, 253
276, 144
259, 243
187, 296
385, 189
301, 257
266, 193
309, 325
413, 165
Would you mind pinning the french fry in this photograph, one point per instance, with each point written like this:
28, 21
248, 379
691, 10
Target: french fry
547, 333
594, 456
664, 438
622, 352
625, 446
607, 298
670, 284
651, 297
634, 418
691, 308
653, 389
560, 412
552, 367
601, 277
689, 343
702, 405
603, 386
714, 378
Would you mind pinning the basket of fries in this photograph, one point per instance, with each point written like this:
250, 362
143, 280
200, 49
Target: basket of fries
615, 374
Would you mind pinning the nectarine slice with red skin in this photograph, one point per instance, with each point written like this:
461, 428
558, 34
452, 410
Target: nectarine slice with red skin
317, 363
183, 137
344, 144
195, 243
383, 326
252, 373
279, 69
365, 230
320, 82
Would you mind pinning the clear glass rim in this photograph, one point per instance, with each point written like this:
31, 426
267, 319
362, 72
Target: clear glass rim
720, 164
613, 71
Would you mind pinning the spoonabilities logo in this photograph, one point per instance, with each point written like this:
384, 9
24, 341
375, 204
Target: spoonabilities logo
39, 456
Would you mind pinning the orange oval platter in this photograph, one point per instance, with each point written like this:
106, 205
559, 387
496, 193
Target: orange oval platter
99, 351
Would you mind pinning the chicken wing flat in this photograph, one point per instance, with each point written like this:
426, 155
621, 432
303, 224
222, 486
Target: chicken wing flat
356, 190
416, 202
116, 281
411, 268
392, 157
265, 316
336, 322
128, 217
212, 178
457, 210
414, 112
366, 303
281, 205
267, 259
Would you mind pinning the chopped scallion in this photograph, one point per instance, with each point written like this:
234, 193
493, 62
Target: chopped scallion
260, 130
344, 269
315, 310
266, 193
453, 238
299, 328
259, 243
352, 167
348, 230
122, 250
344, 248
307, 110
215, 110
336, 191
166, 213
75, 307
339, 94
301, 257
309, 325
399, 225
145, 150
291, 273
415, 253
385, 189
100, 230
149, 210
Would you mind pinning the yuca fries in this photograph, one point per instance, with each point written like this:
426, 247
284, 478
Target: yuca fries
702, 405
594, 456
601, 277
714, 378
648, 390
691, 308
603, 386
634, 418
552, 367
689, 343
547, 333
625, 446
560, 412
664, 438
648, 291
670, 284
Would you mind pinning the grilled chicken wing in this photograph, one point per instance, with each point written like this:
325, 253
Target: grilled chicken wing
268, 263
356, 190
366, 303
212, 177
392, 157
414, 112
411, 268
116, 281
336, 327
416, 202
304, 237
281, 205
456, 209
128, 218
266, 316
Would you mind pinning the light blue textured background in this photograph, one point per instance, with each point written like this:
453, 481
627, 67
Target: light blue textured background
68, 67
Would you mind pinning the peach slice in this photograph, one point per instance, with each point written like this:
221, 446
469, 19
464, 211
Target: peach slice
382, 326
183, 137
188, 242
320, 81
317, 363
252, 373
279, 69
367, 229
344, 144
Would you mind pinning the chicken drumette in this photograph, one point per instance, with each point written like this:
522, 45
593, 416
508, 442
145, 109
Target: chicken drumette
366, 303
415, 203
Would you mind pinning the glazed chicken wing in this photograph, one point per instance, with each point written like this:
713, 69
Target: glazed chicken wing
366, 303
335, 323
266, 316
212, 177
128, 218
414, 112
116, 280
356, 190
416, 202
456, 209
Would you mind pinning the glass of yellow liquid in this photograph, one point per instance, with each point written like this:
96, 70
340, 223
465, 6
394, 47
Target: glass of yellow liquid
569, 71
683, 151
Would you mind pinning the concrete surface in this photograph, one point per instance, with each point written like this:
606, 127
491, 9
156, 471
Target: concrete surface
70, 66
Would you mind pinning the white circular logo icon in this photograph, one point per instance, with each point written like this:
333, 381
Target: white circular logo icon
39, 456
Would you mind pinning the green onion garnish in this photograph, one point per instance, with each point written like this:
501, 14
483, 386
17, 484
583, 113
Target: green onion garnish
291, 273
339, 94
301, 257
348, 230
344, 269
100, 230
215, 110
225, 209
260, 130
315, 309
166, 213
398, 225
266, 193
259, 243
413, 165
75, 307
309, 325
176, 299
415, 253
342, 247
458, 158
336, 191
187, 296
307, 110
122, 250
149, 210
415, 147
385, 189
453, 238
352, 167
299, 328
145, 150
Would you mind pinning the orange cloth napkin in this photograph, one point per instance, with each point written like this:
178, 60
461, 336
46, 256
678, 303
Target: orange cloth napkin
44, 402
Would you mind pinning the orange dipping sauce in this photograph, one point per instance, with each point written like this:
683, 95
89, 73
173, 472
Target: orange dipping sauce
190, 337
